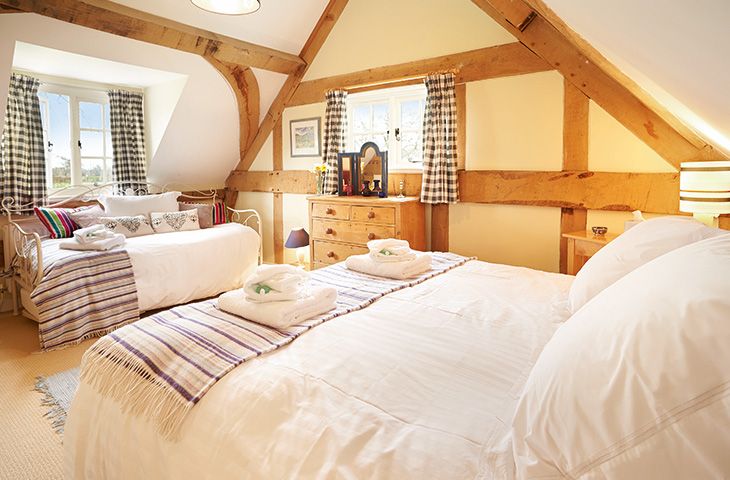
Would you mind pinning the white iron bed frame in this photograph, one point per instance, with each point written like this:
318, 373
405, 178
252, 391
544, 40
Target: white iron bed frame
19, 243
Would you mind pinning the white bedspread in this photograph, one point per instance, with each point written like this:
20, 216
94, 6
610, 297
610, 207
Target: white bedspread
422, 384
178, 267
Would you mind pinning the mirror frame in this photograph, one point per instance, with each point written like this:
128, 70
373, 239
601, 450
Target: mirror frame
354, 181
383, 169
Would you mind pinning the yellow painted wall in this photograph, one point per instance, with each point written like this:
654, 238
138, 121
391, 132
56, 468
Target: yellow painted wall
513, 123
295, 216
265, 159
373, 33
613, 148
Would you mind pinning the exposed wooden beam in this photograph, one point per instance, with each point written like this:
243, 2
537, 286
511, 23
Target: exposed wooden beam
279, 228
461, 126
490, 62
649, 192
590, 72
571, 220
440, 227
278, 163
120, 20
324, 26
6, 9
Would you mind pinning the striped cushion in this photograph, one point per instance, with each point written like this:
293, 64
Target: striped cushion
57, 221
219, 213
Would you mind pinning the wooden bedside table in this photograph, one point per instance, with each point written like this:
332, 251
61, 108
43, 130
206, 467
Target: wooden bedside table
582, 246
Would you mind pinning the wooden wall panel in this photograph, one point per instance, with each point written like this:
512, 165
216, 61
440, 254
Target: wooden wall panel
440, 227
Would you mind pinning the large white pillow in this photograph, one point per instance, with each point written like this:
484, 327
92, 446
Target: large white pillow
642, 243
133, 205
637, 383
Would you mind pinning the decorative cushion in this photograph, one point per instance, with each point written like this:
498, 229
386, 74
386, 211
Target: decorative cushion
88, 216
57, 221
635, 247
129, 226
164, 222
219, 213
205, 212
125, 206
635, 385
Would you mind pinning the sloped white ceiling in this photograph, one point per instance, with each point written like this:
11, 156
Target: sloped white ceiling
677, 50
281, 24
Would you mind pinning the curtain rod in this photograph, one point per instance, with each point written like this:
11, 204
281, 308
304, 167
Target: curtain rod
403, 81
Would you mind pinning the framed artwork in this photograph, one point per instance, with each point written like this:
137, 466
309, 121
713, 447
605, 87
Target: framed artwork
304, 137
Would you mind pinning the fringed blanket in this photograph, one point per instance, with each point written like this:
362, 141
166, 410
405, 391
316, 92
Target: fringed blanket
161, 366
84, 295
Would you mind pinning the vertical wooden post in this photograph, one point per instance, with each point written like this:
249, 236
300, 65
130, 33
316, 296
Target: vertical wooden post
575, 157
278, 197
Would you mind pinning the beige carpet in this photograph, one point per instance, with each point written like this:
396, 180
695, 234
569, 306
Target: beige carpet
29, 448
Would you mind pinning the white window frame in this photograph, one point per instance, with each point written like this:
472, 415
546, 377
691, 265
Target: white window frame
393, 97
76, 96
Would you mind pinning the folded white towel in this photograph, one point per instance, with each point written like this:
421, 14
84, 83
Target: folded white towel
93, 233
391, 250
99, 245
275, 283
280, 315
397, 270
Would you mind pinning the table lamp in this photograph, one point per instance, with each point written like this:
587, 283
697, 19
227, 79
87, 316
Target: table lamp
298, 239
704, 190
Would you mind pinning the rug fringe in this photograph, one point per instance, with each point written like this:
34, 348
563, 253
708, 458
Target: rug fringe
56, 414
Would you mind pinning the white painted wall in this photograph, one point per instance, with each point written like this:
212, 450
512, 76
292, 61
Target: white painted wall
199, 146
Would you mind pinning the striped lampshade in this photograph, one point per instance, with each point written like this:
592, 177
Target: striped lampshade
704, 187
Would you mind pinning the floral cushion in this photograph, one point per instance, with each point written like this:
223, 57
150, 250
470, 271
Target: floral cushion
165, 222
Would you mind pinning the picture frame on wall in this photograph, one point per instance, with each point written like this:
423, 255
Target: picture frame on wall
305, 137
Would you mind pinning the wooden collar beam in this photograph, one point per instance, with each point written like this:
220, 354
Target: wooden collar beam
491, 62
117, 19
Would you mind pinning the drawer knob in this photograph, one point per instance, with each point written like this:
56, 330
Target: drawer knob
331, 254
329, 211
371, 236
371, 214
329, 231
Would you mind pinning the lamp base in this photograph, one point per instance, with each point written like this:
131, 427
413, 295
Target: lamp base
709, 219
301, 252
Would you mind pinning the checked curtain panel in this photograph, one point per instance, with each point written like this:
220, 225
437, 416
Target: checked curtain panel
22, 152
127, 129
440, 179
335, 125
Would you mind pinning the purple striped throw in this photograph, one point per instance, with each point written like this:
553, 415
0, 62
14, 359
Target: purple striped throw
161, 366
84, 295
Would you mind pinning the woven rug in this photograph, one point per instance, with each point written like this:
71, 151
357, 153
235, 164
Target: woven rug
58, 391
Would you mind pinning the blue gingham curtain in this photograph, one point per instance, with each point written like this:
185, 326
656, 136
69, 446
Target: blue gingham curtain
440, 180
129, 168
22, 152
335, 126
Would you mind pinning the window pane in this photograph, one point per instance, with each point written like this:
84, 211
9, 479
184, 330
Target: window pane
380, 117
109, 149
56, 118
411, 115
60, 170
411, 148
92, 144
92, 170
107, 121
358, 140
108, 170
90, 115
361, 119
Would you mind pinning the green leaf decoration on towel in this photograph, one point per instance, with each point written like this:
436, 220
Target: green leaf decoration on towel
262, 288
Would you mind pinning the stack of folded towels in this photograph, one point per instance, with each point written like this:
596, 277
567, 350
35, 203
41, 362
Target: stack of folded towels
94, 237
278, 296
390, 258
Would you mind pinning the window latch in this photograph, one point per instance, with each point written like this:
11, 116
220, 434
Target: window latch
79, 143
397, 134
50, 146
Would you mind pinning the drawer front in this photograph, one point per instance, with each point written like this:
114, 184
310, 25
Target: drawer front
331, 210
331, 252
373, 214
350, 232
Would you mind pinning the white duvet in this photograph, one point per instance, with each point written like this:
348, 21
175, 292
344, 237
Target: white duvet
421, 384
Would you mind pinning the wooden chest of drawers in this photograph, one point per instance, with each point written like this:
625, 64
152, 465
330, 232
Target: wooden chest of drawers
342, 226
